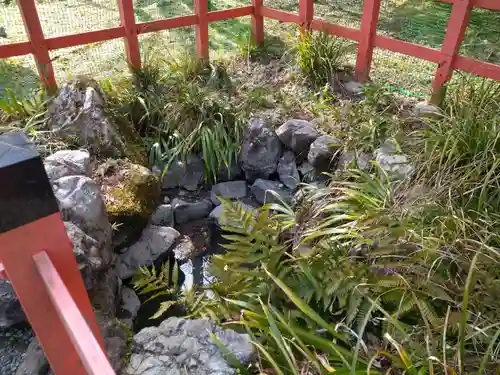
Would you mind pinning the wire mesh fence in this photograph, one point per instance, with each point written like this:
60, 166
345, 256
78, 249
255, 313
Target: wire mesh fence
422, 22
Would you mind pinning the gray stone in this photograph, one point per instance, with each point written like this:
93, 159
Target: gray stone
323, 152
287, 170
427, 110
105, 293
397, 166
353, 159
115, 341
234, 172
163, 216
67, 163
79, 199
297, 135
262, 190
154, 242
353, 88
90, 255
34, 362
180, 346
260, 151
196, 273
78, 112
187, 173
11, 312
307, 171
230, 190
187, 210
130, 304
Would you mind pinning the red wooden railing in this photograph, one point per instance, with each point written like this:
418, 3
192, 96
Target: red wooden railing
447, 58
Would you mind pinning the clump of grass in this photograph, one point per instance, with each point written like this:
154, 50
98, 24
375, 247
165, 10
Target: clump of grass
319, 55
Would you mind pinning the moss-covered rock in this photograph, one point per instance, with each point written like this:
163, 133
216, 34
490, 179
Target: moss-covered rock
131, 193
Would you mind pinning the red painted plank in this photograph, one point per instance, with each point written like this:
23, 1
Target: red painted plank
257, 22
127, 18
280, 15
457, 24
406, 48
168, 23
35, 35
15, 49
17, 248
91, 354
85, 38
227, 14
201, 11
342, 31
369, 22
3, 275
480, 68
487, 4
306, 13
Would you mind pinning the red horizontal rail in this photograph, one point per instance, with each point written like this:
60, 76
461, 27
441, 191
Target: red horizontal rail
474, 66
92, 356
406, 48
227, 14
487, 4
280, 15
342, 31
169, 23
15, 49
85, 38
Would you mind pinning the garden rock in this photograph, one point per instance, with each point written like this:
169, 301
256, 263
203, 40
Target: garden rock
352, 88
307, 171
426, 110
80, 202
129, 304
234, 172
180, 346
230, 190
130, 193
262, 189
297, 135
11, 312
187, 174
105, 293
78, 113
67, 163
193, 209
323, 152
352, 159
397, 166
163, 216
154, 241
287, 170
260, 151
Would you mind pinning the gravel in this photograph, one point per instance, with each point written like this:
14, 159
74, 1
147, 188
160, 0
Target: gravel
13, 345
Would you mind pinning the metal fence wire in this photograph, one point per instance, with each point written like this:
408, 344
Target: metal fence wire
422, 22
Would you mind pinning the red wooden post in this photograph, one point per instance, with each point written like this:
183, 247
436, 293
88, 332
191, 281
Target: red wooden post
306, 13
369, 21
131, 40
457, 24
201, 10
257, 22
34, 32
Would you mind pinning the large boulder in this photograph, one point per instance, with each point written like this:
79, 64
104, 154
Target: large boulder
188, 173
265, 191
80, 202
78, 113
297, 135
67, 163
324, 152
181, 346
260, 151
190, 209
287, 170
154, 242
229, 190
131, 193
11, 312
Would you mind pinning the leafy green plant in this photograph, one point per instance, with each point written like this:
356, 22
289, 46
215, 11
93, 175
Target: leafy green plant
319, 55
